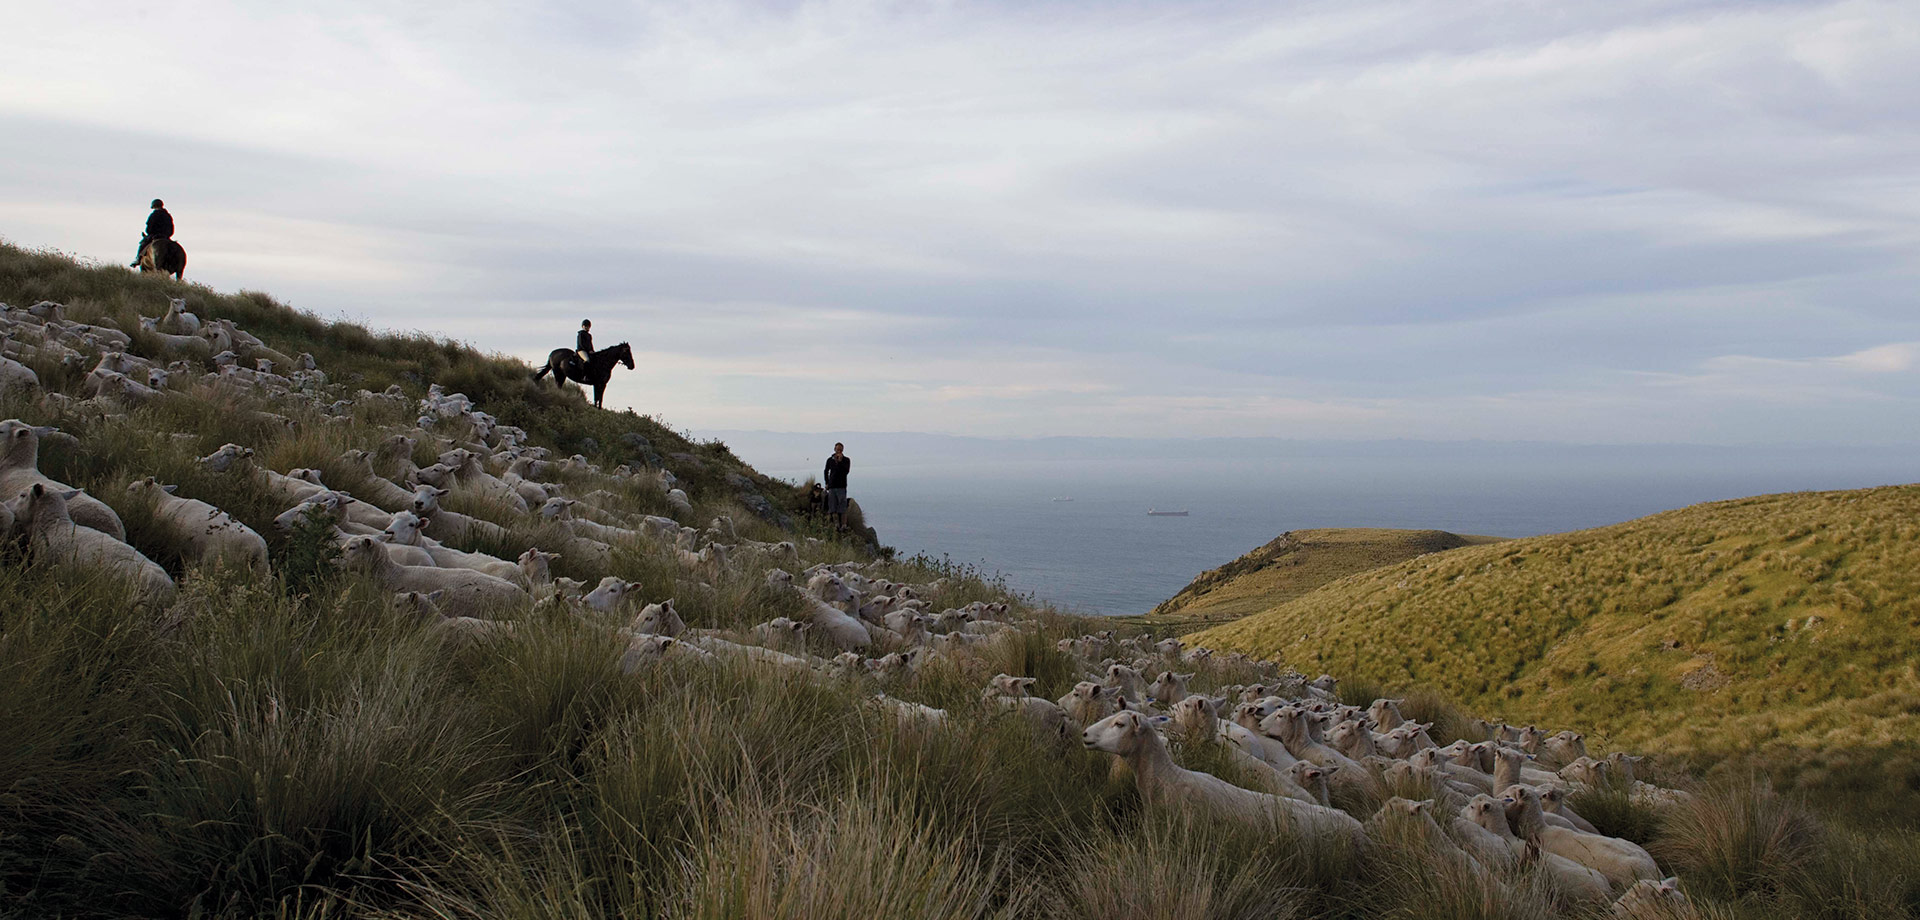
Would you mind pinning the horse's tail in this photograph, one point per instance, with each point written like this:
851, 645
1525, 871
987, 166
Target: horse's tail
542, 372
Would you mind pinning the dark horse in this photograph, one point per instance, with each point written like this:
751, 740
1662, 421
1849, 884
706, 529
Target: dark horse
565, 366
165, 257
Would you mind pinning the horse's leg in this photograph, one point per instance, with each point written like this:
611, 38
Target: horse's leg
599, 391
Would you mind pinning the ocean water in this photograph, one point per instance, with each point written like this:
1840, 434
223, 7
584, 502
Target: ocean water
991, 503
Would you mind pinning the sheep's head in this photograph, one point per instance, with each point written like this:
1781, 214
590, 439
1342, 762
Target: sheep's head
557, 509
1194, 717
608, 594
1486, 811
1519, 799
149, 486
660, 619
1648, 899
1122, 733
405, 528
537, 563
327, 505
223, 459
436, 475
1009, 685
426, 499
359, 553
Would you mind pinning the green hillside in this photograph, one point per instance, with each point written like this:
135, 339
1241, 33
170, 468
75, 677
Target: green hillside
1295, 563
1784, 626
313, 740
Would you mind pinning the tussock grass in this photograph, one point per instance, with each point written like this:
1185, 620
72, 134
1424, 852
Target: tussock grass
1771, 633
286, 745
1741, 840
1173, 867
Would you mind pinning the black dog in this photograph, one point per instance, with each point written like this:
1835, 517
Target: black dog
816, 500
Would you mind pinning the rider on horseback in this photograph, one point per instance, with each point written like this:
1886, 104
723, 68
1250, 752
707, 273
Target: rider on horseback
159, 227
583, 343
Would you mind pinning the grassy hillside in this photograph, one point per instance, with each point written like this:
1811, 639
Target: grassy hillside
1295, 563
1783, 629
359, 358
294, 745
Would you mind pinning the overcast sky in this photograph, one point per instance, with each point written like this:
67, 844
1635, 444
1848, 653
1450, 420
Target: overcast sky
1592, 222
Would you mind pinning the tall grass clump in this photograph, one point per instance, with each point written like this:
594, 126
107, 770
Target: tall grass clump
851, 854
1179, 866
1740, 840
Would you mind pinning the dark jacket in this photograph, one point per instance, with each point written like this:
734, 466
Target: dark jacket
160, 225
836, 471
583, 342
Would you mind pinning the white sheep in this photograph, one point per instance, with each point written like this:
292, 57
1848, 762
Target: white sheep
659, 619
1575, 880
1197, 719
1621, 861
232, 459
204, 533
17, 376
1168, 687
845, 632
175, 344
644, 649
57, 539
375, 488
20, 470
425, 609
177, 320
1089, 702
755, 653
469, 593
406, 529
1412, 822
1653, 900
452, 526
1299, 731
1128, 681
783, 634
607, 596
536, 567
1130, 736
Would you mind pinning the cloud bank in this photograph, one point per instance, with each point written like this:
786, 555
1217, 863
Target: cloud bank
1594, 222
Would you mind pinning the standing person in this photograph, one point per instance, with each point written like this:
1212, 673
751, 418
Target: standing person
583, 343
836, 476
159, 227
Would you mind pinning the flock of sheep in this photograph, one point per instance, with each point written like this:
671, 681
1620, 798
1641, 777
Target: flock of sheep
1487, 806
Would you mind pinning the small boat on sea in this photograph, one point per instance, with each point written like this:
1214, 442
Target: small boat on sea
1153, 513
1063, 499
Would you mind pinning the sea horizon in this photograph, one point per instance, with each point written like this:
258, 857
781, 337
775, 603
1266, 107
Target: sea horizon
990, 503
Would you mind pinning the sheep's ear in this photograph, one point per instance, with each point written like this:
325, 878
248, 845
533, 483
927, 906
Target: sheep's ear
436, 594
170, 489
1330, 769
1184, 676
70, 494
1424, 805
1160, 720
